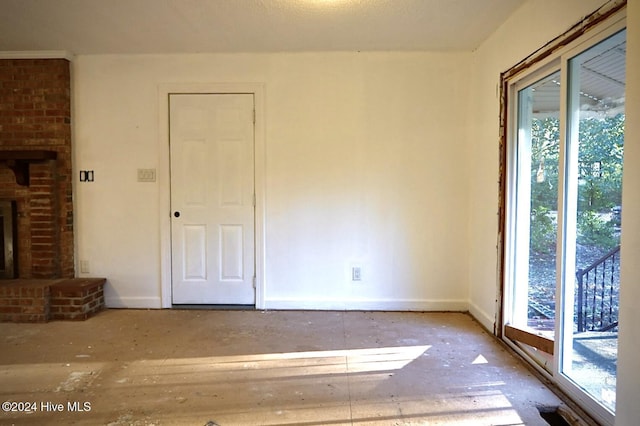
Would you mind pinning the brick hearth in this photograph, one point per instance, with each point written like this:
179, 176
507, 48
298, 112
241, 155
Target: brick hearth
44, 300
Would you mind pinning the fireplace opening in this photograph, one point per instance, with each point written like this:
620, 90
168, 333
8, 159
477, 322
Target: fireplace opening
8, 237
35, 182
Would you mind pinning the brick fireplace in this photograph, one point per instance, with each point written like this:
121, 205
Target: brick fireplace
35, 165
37, 272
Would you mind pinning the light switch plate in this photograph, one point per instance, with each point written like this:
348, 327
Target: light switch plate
146, 175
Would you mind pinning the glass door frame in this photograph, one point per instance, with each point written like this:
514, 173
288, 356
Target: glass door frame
511, 318
565, 259
567, 226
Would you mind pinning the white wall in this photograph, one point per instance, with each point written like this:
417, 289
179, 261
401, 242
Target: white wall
365, 163
528, 29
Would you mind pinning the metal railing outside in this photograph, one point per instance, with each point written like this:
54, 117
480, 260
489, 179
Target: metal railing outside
597, 296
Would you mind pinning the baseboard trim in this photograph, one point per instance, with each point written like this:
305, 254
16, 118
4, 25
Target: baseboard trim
318, 304
486, 320
367, 305
133, 302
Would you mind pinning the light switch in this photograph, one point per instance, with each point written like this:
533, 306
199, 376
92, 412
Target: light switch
86, 175
146, 175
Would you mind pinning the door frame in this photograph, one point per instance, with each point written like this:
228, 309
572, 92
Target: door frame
164, 178
576, 40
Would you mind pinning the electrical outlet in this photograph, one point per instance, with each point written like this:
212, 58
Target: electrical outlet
356, 273
84, 266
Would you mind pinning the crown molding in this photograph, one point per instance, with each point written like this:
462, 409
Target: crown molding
38, 54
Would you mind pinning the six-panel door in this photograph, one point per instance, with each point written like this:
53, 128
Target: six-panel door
212, 198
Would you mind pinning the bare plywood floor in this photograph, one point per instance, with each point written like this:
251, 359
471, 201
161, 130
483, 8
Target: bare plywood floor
191, 367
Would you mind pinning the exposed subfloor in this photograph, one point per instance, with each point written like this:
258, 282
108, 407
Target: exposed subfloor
198, 367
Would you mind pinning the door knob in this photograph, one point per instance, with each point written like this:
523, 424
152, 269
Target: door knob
176, 214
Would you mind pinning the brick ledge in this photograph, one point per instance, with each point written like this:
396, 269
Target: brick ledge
39, 300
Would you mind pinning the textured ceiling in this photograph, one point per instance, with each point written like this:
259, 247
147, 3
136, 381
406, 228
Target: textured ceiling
174, 26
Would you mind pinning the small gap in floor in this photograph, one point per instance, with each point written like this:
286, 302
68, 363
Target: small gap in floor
552, 416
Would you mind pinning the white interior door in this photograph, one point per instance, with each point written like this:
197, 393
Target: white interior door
211, 139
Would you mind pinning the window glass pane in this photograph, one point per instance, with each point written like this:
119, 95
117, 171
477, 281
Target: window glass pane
593, 210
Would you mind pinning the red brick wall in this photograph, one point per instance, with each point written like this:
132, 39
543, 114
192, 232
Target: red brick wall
35, 114
25, 302
42, 300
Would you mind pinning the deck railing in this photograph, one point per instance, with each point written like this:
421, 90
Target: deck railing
597, 297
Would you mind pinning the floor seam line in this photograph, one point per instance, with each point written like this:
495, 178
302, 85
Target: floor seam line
346, 362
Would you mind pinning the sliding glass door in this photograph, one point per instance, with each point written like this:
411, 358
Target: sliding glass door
593, 194
563, 206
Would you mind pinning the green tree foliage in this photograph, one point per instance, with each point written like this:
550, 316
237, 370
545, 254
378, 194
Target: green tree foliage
594, 231
600, 157
543, 232
600, 179
545, 151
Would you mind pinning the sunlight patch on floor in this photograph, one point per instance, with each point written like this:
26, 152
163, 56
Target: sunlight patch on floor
321, 362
